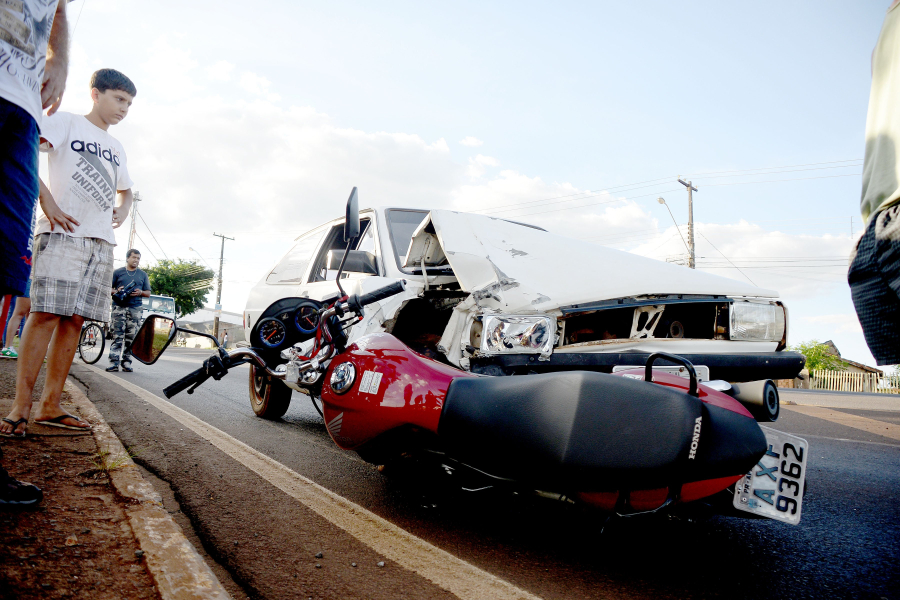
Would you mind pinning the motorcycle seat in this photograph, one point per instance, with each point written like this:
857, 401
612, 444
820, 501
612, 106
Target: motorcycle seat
571, 430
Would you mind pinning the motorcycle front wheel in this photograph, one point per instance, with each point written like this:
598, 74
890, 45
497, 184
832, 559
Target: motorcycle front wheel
269, 398
91, 343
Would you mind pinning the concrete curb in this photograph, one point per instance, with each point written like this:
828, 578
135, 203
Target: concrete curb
176, 567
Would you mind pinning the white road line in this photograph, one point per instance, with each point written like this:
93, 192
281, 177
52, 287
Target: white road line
888, 430
458, 577
849, 441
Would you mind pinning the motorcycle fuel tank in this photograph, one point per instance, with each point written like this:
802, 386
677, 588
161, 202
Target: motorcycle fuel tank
379, 384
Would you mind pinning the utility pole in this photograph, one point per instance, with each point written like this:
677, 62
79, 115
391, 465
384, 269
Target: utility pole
690, 188
134, 212
219, 293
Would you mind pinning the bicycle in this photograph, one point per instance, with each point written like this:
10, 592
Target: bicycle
91, 343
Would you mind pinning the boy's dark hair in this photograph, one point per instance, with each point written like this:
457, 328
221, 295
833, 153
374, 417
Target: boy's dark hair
132, 251
110, 79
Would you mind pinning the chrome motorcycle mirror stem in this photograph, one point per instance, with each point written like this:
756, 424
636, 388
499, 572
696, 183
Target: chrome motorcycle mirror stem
240, 353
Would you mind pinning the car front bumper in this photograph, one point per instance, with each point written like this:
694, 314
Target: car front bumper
730, 367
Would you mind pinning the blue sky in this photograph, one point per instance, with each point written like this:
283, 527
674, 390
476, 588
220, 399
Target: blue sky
256, 120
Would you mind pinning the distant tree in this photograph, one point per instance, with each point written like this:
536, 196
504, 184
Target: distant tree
186, 281
819, 356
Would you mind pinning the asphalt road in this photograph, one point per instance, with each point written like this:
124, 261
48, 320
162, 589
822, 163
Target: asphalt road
847, 545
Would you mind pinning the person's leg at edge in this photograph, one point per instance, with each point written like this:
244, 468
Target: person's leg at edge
59, 360
23, 307
39, 329
5, 306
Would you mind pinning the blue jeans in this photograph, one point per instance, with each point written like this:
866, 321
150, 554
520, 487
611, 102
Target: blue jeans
874, 279
18, 193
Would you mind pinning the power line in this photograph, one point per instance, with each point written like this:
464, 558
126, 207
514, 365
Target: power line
147, 246
78, 20
660, 181
832, 162
153, 236
780, 180
782, 171
592, 204
726, 258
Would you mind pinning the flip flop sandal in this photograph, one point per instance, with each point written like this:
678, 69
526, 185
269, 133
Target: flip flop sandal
58, 422
15, 425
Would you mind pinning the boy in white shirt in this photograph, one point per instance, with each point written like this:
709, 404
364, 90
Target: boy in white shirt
73, 246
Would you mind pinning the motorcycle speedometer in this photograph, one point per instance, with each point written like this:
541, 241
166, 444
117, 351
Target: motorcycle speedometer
306, 318
272, 332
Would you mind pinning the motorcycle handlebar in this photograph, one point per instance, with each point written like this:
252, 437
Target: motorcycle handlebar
357, 302
198, 377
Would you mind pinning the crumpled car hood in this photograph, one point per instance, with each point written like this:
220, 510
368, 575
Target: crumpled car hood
511, 267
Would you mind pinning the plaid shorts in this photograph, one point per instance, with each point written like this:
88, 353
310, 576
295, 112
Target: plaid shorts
874, 279
72, 276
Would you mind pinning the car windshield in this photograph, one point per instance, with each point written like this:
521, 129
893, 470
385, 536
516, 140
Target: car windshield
156, 304
402, 223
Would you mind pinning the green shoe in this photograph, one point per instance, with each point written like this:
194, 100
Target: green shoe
9, 353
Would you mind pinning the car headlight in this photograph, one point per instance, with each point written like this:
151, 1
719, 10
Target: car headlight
757, 321
512, 334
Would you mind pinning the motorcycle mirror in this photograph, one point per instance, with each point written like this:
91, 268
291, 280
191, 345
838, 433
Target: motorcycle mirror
153, 338
351, 223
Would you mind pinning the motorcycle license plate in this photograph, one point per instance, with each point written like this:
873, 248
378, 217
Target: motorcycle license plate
774, 487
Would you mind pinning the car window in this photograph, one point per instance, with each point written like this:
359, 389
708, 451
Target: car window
291, 268
335, 241
367, 242
158, 304
402, 223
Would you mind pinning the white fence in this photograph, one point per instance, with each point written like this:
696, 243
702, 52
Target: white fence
843, 381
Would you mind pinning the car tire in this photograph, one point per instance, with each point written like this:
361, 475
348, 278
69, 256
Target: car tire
269, 398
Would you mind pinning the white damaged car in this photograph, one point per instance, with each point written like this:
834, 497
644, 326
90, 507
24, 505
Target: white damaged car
498, 297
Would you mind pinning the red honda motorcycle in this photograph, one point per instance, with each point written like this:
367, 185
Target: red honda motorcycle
628, 443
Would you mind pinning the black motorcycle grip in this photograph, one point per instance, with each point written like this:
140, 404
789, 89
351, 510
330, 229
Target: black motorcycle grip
198, 376
382, 293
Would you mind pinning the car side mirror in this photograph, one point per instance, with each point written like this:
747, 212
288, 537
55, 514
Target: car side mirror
153, 338
351, 223
357, 261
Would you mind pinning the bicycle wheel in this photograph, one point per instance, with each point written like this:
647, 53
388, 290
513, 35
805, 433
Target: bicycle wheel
91, 343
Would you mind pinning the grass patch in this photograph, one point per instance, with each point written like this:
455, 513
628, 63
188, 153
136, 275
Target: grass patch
104, 461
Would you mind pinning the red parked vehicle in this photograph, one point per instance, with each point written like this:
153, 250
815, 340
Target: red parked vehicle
631, 442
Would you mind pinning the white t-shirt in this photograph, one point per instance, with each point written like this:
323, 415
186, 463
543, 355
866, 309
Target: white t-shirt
24, 32
881, 167
87, 168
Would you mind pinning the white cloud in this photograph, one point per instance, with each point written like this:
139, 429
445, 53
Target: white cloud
477, 165
258, 85
841, 323
220, 71
471, 142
